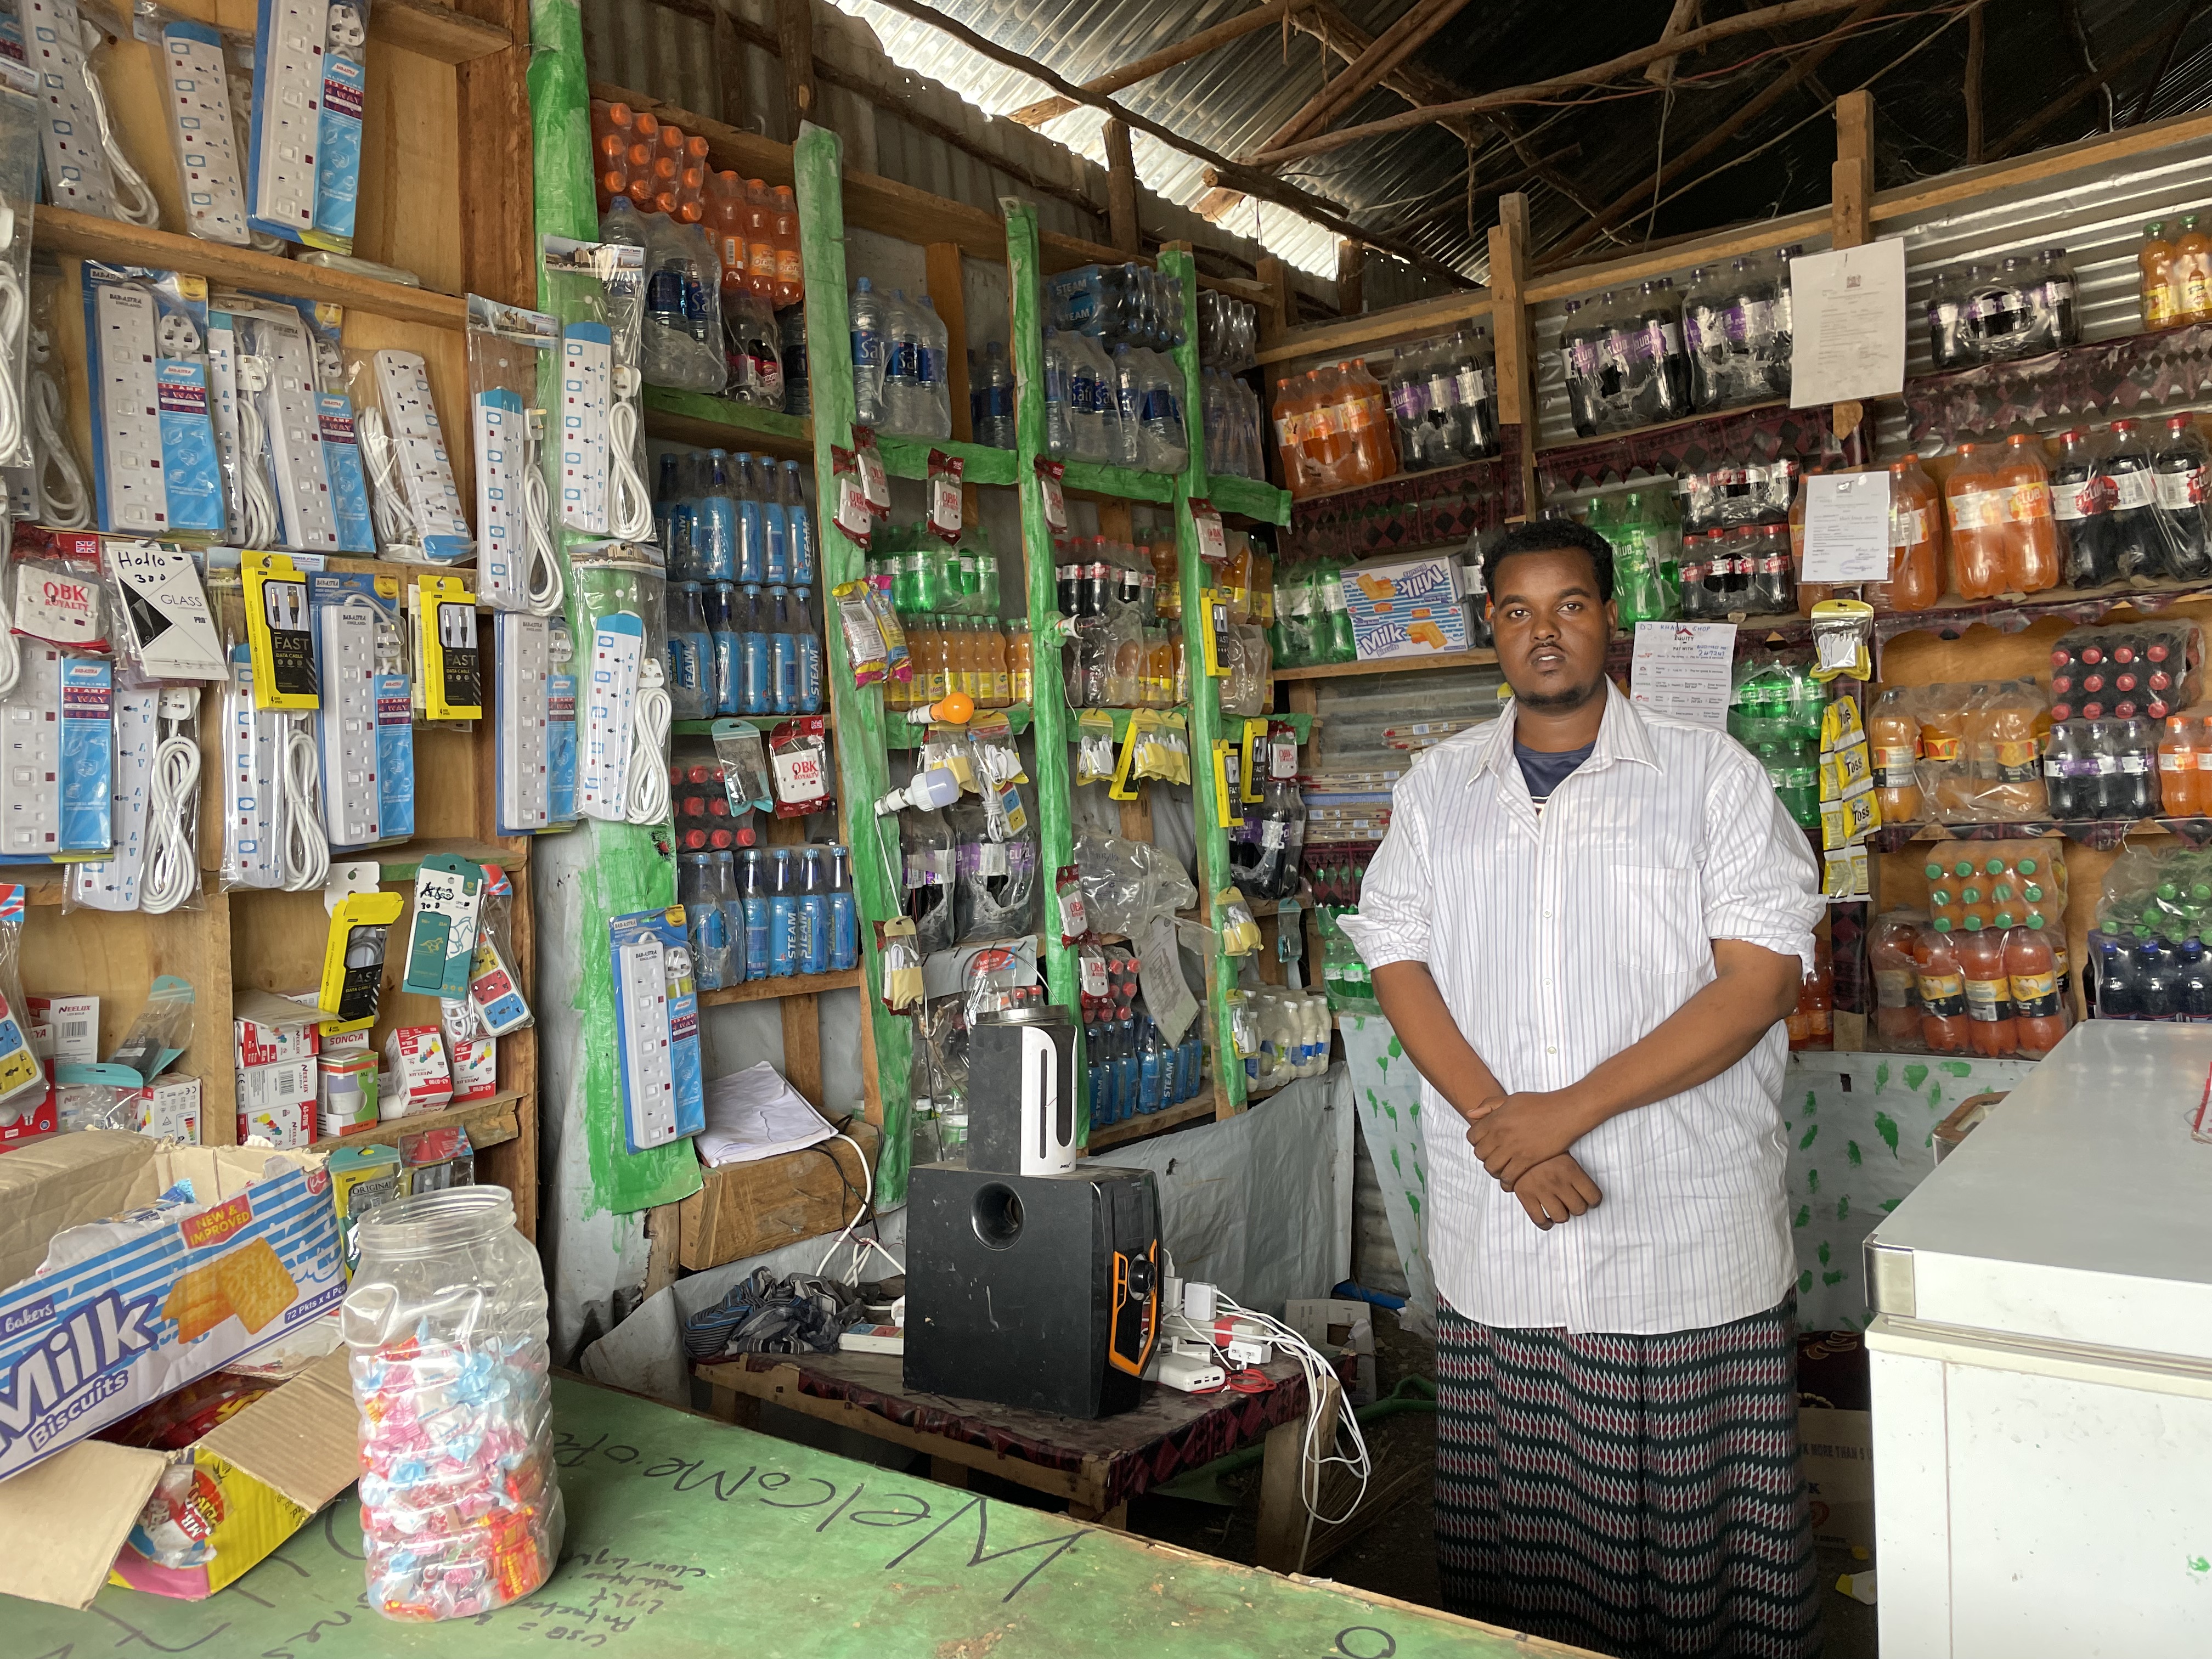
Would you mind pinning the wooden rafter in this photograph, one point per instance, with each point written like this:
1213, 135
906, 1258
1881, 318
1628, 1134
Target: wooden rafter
1679, 20
1384, 54
2103, 78
1197, 46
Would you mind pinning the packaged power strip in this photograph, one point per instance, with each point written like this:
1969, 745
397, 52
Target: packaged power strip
85, 169
531, 656
415, 506
50, 489
511, 364
303, 179
656, 1028
19, 193
56, 756
193, 61
154, 862
156, 469
365, 726
597, 289
343, 465
282, 460
623, 717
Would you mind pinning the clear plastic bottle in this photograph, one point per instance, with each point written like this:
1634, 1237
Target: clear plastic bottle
755, 681
691, 655
809, 641
2179, 471
2132, 492
751, 520
870, 331
1059, 437
1973, 499
798, 514
814, 925
731, 902
445, 1322
2154, 267
935, 407
993, 395
844, 912
754, 894
715, 522
2088, 554
783, 914
720, 600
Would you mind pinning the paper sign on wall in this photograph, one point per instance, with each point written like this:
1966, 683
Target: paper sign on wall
1847, 323
1847, 527
1683, 669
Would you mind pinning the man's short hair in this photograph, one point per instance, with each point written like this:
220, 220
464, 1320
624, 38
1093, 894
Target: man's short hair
1550, 536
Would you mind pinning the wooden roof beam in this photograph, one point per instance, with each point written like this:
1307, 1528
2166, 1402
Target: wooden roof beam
1197, 46
1383, 54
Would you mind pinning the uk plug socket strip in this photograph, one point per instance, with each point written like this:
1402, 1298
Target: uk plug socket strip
523, 646
612, 680
77, 172
112, 883
292, 419
656, 1028
286, 112
222, 410
503, 460
206, 137
345, 641
253, 794
338, 143
349, 481
586, 364
437, 524
155, 464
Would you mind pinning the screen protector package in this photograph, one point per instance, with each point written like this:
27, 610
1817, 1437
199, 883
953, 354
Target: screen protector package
512, 372
155, 465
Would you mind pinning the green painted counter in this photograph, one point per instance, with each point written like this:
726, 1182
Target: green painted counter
688, 1539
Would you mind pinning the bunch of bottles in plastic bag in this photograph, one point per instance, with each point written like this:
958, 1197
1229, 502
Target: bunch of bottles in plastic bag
1960, 754
1350, 988
1282, 1035
1313, 624
2019, 307
1736, 490
1443, 396
1335, 874
2121, 734
2177, 275
1736, 556
964, 883
768, 913
1266, 844
1123, 653
1119, 305
1947, 984
1228, 333
1812, 1024
701, 802
1736, 331
1774, 711
2146, 951
2129, 503
1623, 359
1645, 533
1131, 1069
1333, 430
2149, 669
991, 395
902, 364
1122, 407
1232, 420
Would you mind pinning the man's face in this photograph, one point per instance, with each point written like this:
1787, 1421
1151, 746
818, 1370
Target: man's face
1551, 628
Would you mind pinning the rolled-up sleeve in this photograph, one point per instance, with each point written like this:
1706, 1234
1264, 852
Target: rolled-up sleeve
1761, 884
1397, 897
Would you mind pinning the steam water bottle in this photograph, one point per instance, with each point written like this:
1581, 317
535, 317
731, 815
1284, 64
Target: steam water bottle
755, 694
722, 630
814, 914
782, 653
752, 526
810, 655
782, 917
759, 916
800, 517
714, 524
776, 522
844, 916
690, 656
993, 399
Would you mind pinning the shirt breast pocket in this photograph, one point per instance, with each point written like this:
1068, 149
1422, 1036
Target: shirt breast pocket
1658, 919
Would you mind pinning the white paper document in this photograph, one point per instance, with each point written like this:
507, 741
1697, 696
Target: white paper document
1683, 669
754, 1114
1847, 324
1847, 527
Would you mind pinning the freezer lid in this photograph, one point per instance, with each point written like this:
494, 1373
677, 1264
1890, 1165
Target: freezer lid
2080, 1212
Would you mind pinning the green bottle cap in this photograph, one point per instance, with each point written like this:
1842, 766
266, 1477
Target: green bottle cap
1939, 895
1973, 924
2168, 891
2026, 867
1934, 872
1994, 867
1970, 896
1963, 868
1942, 924
2002, 920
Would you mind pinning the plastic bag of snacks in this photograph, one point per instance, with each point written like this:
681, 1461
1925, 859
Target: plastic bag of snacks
459, 1509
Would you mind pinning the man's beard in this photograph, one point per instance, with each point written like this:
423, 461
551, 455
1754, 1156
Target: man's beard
1562, 703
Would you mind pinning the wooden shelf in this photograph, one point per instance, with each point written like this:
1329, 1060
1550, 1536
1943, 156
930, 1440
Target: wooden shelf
86, 236
488, 1122
908, 457
1337, 671
1200, 1105
1118, 483
693, 417
791, 985
1248, 497
1630, 434
436, 30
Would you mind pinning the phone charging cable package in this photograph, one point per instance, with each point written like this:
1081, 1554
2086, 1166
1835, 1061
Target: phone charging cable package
514, 368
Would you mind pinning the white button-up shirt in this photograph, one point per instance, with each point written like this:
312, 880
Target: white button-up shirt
1558, 939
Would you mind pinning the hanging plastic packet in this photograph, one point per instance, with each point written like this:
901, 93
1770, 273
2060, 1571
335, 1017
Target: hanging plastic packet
864, 648
798, 762
1174, 746
1074, 919
493, 990
1094, 747
512, 372
998, 758
50, 489
897, 663
55, 592
600, 488
415, 506
948, 748
852, 514
1091, 978
23, 1077
165, 629
1843, 631
162, 1031
1233, 921
1050, 473
738, 746
875, 481
1213, 541
944, 502
1142, 723
902, 966
1228, 772
995, 981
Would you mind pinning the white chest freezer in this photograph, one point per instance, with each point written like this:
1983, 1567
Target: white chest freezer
2041, 1361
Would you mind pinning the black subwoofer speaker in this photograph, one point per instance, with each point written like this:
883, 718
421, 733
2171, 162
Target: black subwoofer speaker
1036, 1290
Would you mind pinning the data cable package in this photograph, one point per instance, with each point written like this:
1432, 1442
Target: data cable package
155, 466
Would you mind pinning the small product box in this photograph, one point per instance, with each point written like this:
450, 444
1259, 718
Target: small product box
65, 1030
475, 1068
1404, 607
287, 1126
420, 1081
348, 1093
363, 1178
260, 1044
169, 1109
36, 1123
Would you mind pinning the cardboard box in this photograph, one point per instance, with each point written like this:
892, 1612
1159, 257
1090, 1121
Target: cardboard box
420, 1081
141, 1306
1334, 1325
1404, 607
64, 1029
742, 1209
347, 1084
169, 1109
287, 1126
1835, 1450
282, 1094
65, 1526
38, 1122
260, 1044
475, 1068
65, 1182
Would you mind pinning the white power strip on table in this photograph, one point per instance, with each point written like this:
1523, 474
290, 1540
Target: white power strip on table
207, 141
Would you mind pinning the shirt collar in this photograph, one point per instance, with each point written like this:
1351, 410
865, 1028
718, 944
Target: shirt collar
1621, 736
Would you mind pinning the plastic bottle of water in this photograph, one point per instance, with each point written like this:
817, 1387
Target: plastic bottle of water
814, 912
782, 653
869, 329
1129, 394
844, 915
810, 655
754, 896
752, 525
714, 523
722, 628
1086, 431
994, 383
800, 516
671, 510
1115, 441
1166, 445
936, 372
755, 695
691, 655
903, 397
782, 917
1056, 430
791, 330
710, 953
775, 519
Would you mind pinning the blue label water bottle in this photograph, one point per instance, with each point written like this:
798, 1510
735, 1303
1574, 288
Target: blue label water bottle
809, 656
801, 516
782, 918
814, 912
775, 530
783, 653
844, 913
722, 624
758, 917
754, 694
752, 529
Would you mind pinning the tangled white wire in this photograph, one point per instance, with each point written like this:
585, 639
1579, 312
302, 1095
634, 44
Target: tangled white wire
1314, 1457
257, 525
63, 502
11, 648
542, 563
14, 311
134, 201
647, 798
629, 503
395, 520
173, 874
306, 846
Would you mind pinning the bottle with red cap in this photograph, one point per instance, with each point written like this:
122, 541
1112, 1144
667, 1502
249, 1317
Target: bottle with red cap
2082, 513
2179, 472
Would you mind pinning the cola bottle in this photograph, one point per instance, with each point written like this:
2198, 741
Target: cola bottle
2179, 471
2083, 512
2132, 488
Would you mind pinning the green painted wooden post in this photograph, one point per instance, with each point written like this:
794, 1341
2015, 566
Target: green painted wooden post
1049, 696
863, 763
1205, 727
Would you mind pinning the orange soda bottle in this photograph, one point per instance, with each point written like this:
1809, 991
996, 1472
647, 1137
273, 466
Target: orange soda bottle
1889, 957
1916, 542
2192, 276
2040, 1016
1974, 501
790, 275
1981, 952
1943, 1018
2030, 532
2154, 266
2178, 789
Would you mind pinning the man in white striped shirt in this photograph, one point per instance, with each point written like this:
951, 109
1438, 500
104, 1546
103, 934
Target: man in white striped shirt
1585, 925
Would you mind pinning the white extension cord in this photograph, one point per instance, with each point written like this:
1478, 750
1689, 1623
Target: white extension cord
541, 565
134, 200
860, 1247
172, 874
630, 502
647, 795
395, 520
257, 527
14, 310
63, 502
307, 845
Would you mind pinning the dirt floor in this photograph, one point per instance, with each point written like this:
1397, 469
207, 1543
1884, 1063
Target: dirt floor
1396, 1554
